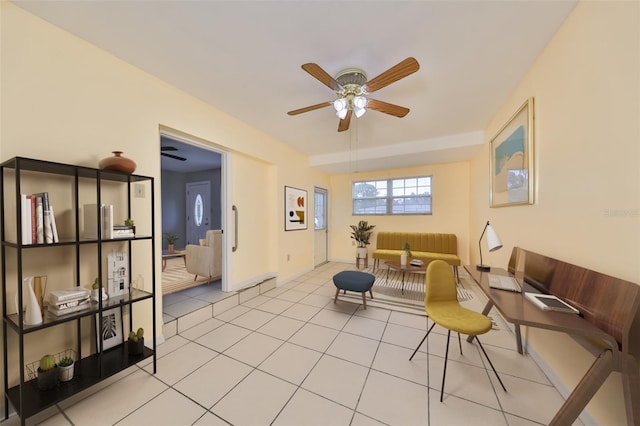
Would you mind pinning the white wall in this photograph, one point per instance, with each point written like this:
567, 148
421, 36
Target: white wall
586, 86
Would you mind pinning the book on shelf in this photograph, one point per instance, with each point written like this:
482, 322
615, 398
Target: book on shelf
57, 311
92, 221
37, 219
74, 293
34, 222
54, 227
69, 303
25, 219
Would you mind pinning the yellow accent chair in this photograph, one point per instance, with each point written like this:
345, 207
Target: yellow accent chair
441, 305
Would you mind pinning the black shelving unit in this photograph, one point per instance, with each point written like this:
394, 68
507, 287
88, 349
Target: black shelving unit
25, 397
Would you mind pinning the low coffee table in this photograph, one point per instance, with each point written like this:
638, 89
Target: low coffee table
176, 253
396, 266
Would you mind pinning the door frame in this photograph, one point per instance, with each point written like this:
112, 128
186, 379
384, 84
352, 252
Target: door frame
325, 192
225, 173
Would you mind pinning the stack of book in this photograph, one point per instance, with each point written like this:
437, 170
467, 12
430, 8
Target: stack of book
108, 229
62, 302
123, 231
37, 220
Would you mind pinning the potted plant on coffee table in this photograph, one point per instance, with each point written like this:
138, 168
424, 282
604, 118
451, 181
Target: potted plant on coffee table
171, 240
361, 233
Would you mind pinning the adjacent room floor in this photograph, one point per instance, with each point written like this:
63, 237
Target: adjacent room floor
291, 356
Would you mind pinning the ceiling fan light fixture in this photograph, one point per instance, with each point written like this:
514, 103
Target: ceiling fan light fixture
340, 105
359, 112
359, 102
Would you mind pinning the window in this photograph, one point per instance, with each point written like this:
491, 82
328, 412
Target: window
392, 196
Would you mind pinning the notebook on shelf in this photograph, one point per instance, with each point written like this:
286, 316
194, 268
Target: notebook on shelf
504, 282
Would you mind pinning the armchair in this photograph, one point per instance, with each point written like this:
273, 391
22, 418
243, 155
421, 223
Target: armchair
206, 260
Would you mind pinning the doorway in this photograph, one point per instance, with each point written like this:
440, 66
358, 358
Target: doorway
192, 175
320, 235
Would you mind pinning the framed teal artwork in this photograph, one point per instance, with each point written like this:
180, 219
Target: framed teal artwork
511, 161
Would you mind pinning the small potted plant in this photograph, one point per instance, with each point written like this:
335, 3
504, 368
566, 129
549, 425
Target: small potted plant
65, 369
47, 373
407, 253
129, 222
96, 290
171, 240
136, 342
362, 233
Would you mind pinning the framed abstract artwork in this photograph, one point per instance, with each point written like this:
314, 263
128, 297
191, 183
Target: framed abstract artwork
511, 161
295, 209
110, 331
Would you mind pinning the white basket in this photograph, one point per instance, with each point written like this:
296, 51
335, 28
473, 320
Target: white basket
31, 369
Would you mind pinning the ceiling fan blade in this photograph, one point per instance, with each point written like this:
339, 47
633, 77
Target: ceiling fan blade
344, 123
309, 108
393, 74
168, 148
387, 108
175, 157
322, 76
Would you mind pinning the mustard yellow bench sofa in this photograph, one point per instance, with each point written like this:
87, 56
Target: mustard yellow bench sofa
423, 246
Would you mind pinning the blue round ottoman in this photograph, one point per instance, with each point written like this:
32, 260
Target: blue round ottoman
354, 281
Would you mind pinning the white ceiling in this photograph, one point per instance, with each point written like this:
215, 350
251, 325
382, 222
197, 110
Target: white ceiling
244, 58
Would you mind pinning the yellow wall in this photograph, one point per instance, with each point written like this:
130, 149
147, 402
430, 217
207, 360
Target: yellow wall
64, 100
586, 85
450, 207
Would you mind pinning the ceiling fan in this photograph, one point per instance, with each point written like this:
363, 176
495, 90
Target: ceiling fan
163, 150
352, 87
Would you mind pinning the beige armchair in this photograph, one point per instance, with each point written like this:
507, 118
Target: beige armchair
206, 260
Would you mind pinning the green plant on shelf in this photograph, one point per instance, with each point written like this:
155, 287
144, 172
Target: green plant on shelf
47, 362
65, 362
136, 336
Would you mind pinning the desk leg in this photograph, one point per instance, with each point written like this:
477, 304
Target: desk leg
631, 387
587, 387
518, 338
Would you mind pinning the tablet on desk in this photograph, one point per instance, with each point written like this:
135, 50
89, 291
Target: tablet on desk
548, 302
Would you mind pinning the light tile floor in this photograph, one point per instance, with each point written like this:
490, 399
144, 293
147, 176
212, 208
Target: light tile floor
292, 357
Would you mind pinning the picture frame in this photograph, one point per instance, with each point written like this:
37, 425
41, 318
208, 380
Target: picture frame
110, 331
295, 209
117, 274
511, 164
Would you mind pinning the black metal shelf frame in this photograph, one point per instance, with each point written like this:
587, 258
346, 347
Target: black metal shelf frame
25, 397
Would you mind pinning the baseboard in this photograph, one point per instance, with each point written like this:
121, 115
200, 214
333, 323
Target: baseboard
558, 383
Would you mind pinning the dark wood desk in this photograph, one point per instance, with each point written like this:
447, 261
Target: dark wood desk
519, 311
609, 324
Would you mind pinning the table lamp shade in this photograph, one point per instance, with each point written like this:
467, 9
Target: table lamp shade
493, 240
493, 243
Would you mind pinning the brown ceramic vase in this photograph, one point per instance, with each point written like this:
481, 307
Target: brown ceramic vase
118, 163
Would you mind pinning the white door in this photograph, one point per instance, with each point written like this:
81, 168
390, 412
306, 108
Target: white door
320, 226
198, 211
